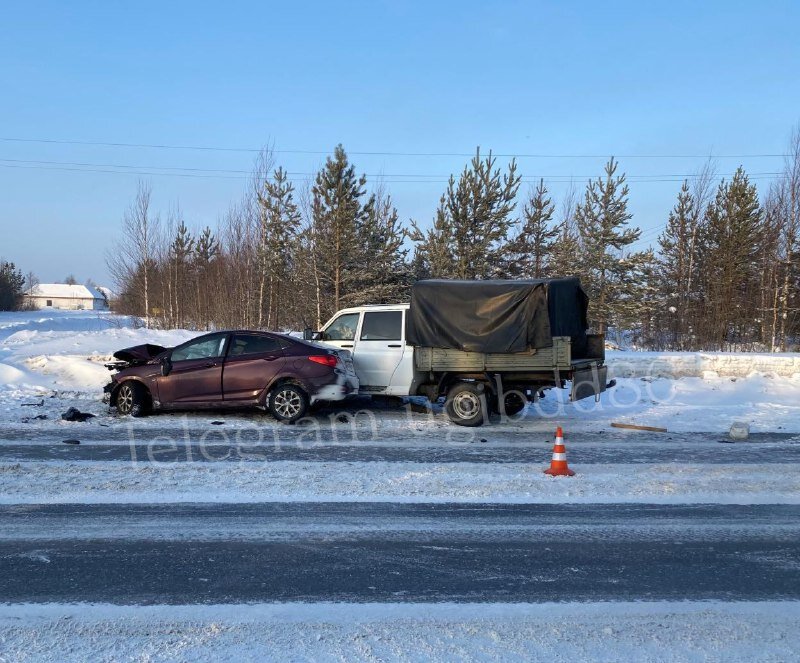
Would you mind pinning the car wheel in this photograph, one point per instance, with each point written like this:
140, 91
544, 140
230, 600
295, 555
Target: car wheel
287, 402
131, 399
466, 404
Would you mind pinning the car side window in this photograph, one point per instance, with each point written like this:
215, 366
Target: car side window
382, 326
202, 348
252, 344
343, 328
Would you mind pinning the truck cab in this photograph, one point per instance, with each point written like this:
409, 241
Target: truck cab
376, 336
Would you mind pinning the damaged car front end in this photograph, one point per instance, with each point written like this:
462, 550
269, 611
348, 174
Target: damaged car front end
135, 356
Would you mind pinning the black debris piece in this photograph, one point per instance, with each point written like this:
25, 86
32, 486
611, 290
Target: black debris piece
74, 414
38, 417
70, 442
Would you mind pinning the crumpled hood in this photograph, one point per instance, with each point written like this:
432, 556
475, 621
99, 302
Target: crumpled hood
139, 354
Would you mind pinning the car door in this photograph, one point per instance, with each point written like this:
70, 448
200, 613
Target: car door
379, 348
195, 375
251, 363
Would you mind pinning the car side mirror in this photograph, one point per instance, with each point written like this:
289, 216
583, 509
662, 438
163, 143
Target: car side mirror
166, 366
308, 334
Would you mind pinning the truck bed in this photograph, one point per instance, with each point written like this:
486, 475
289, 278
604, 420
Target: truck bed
557, 357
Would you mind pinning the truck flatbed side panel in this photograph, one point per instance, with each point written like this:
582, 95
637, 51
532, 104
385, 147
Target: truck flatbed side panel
558, 356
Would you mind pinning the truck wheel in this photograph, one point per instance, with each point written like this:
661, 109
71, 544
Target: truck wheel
466, 404
514, 404
131, 399
287, 402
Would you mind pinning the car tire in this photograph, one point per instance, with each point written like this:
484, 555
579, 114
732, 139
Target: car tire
132, 399
466, 404
288, 402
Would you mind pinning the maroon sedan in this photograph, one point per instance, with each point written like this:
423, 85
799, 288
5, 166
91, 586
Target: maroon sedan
231, 369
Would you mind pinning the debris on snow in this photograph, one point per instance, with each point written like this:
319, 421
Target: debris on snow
739, 430
74, 414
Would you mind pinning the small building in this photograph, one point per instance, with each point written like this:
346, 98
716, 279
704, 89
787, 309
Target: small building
67, 297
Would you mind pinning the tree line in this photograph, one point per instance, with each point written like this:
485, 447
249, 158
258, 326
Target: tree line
724, 275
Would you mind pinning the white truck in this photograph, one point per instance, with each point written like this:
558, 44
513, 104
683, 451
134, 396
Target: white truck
442, 345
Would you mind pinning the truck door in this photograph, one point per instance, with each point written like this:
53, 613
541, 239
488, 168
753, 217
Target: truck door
342, 331
378, 349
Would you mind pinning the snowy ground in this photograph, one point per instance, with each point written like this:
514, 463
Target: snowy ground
706, 631
52, 360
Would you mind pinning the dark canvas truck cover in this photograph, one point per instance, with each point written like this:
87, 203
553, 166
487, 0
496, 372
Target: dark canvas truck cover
498, 316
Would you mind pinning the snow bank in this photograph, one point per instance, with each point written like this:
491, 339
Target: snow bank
334, 481
41, 352
700, 364
691, 631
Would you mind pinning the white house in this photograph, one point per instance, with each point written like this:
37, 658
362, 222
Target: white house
68, 297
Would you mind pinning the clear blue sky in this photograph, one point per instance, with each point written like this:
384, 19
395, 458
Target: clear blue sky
548, 78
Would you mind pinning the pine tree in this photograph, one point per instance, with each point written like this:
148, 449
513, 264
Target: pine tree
433, 248
608, 273
384, 276
529, 254
180, 252
470, 232
11, 286
278, 229
730, 255
637, 306
565, 249
337, 212
788, 220
676, 257
206, 250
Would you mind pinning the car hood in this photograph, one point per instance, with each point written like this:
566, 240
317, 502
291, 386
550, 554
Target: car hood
139, 354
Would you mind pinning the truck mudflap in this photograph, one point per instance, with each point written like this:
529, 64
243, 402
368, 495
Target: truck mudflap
589, 381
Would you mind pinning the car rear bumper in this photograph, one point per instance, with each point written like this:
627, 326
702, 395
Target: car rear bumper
331, 392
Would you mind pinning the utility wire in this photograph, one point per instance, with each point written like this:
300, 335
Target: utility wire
221, 173
388, 152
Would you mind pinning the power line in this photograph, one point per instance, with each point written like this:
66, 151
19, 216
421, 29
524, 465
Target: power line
388, 153
222, 173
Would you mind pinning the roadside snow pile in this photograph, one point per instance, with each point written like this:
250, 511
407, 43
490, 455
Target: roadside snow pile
701, 364
553, 632
45, 351
689, 404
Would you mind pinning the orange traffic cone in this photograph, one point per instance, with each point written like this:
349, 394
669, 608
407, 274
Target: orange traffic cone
558, 466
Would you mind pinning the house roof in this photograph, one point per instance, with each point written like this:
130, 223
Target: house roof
64, 291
